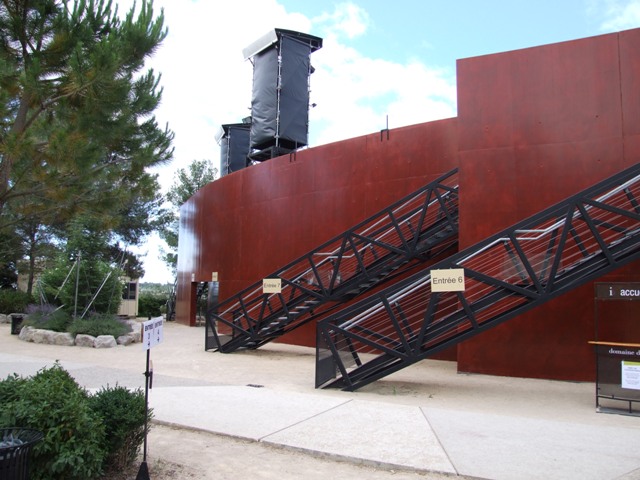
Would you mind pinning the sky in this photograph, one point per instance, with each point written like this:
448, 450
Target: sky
379, 60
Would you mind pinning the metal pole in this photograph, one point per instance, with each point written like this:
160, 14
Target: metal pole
96, 295
143, 472
75, 307
146, 406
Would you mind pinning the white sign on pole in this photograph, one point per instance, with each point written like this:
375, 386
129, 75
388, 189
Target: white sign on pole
449, 280
271, 285
214, 276
152, 333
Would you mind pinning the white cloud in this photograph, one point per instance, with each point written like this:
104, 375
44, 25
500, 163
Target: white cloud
618, 14
355, 93
346, 19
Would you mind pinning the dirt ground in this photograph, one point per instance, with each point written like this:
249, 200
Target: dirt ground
186, 454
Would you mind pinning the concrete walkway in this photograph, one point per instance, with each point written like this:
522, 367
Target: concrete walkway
426, 418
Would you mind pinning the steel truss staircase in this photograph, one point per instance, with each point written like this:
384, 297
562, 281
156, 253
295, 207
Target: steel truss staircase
542, 257
421, 226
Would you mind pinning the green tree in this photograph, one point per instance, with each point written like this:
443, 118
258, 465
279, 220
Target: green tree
85, 276
10, 253
77, 131
95, 278
186, 182
37, 247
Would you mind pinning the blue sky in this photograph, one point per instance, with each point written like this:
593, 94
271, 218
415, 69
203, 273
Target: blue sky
379, 59
439, 32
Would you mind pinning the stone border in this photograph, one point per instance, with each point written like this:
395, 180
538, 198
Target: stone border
37, 335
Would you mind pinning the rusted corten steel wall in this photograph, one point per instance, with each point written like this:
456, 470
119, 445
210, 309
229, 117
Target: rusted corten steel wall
249, 223
536, 126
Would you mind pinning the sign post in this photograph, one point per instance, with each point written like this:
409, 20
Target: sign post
152, 335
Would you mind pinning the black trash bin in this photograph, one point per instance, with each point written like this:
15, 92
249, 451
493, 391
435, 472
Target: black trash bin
15, 447
16, 323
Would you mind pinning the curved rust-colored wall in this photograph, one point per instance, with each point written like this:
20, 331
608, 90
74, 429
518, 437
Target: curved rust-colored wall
248, 224
534, 126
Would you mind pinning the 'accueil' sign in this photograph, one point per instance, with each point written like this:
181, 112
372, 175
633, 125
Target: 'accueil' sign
152, 333
449, 280
271, 285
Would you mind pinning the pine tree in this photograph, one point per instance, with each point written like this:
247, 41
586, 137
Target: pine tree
77, 129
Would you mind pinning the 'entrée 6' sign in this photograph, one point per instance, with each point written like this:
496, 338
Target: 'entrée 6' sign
449, 280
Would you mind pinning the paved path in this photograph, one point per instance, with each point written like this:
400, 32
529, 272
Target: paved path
424, 420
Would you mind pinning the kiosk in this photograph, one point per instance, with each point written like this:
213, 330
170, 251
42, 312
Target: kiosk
617, 346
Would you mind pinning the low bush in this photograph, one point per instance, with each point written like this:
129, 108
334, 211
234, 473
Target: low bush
9, 389
123, 415
47, 317
84, 435
74, 436
14, 301
151, 305
97, 325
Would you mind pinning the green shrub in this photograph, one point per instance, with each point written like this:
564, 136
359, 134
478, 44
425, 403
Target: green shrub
123, 415
9, 389
47, 317
14, 301
97, 325
150, 305
51, 401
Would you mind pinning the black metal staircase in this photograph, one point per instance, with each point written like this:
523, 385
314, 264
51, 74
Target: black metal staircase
419, 227
540, 258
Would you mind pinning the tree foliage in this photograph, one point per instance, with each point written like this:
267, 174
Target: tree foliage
11, 250
186, 182
77, 130
99, 288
